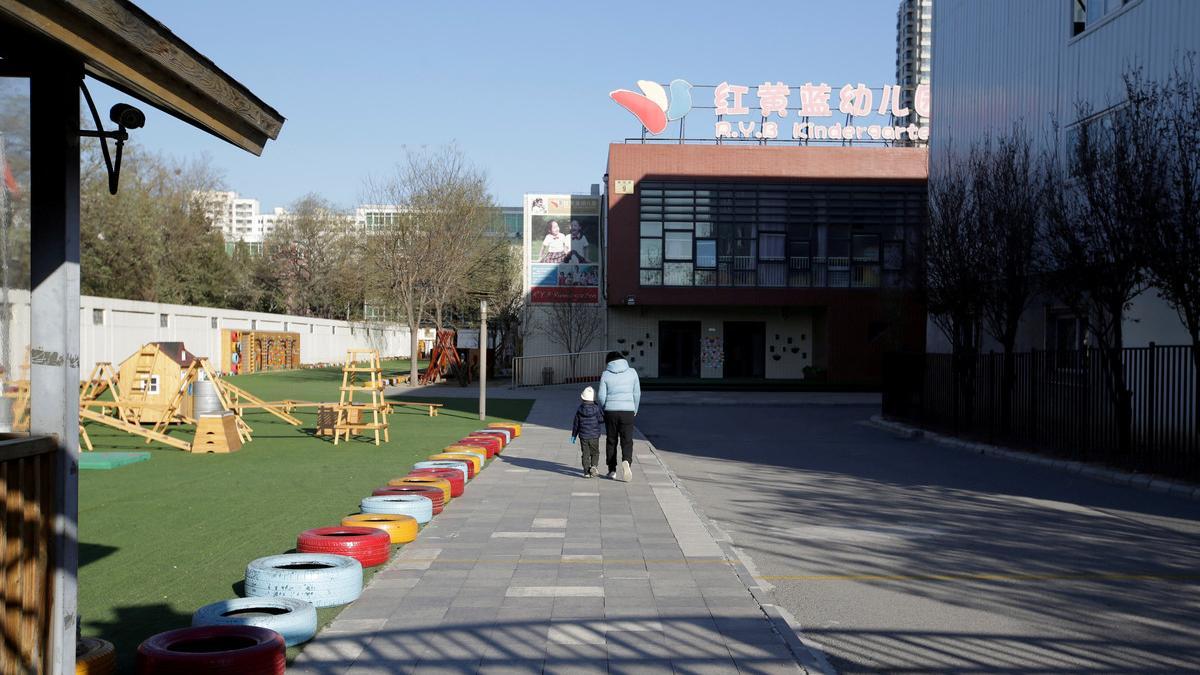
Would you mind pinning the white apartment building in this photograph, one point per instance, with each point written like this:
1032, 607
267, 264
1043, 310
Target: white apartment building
240, 219
914, 55
1030, 63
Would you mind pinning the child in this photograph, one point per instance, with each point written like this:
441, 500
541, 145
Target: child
589, 420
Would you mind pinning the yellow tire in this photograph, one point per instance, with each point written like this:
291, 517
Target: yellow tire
462, 457
402, 529
94, 656
516, 428
431, 481
469, 450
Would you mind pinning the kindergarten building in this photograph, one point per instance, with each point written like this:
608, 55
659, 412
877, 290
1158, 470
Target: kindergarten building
762, 262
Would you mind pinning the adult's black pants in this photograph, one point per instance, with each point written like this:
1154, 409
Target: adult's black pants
618, 424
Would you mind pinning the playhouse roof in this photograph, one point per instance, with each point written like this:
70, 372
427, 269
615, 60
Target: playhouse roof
176, 352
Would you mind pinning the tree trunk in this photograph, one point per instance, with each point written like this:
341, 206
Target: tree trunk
1120, 395
1008, 381
413, 370
1196, 384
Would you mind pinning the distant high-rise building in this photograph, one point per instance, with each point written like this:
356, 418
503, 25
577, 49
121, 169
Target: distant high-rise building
239, 219
914, 54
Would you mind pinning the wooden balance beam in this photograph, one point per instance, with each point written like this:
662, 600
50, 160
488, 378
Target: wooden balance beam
134, 429
433, 407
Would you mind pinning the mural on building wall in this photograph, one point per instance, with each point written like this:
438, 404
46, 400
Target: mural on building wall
712, 352
563, 238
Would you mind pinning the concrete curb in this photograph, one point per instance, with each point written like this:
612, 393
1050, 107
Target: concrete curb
1134, 480
808, 655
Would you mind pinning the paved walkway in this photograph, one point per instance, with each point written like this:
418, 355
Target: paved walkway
538, 570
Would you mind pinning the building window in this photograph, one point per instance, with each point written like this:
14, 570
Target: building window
214, 322
1087, 14
735, 234
97, 317
706, 254
163, 321
677, 246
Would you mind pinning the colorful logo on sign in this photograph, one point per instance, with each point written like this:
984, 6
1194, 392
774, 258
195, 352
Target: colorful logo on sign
655, 107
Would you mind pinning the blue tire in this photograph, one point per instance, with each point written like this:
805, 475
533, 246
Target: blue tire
446, 464
323, 579
505, 432
420, 508
295, 620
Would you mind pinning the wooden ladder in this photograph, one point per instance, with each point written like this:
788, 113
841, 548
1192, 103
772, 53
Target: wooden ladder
352, 382
139, 388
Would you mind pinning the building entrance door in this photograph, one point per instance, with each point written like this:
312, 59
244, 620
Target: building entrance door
679, 349
745, 349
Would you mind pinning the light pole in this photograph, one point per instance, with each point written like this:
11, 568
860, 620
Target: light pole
483, 345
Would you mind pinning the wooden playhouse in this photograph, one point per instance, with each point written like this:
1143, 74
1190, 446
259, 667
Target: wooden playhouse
154, 374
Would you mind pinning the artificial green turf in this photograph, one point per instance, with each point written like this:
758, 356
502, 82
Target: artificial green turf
159, 539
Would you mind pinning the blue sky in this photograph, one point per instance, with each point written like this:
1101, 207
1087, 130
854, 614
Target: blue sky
521, 87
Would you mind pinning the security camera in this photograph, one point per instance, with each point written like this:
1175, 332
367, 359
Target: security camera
127, 116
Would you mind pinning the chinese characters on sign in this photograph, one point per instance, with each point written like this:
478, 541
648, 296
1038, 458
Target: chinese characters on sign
815, 101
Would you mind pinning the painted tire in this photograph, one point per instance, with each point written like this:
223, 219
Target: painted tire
461, 467
475, 451
489, 444
513, 428
432, 481
451, 457
295, 620
212, 649
416, 506
400, 529
452, 476
94, 656
324, 579
367, 545
503, 434
434, 494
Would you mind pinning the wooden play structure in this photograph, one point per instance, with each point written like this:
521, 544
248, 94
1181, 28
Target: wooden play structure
444, 356
256, 351
362, 374
152, 389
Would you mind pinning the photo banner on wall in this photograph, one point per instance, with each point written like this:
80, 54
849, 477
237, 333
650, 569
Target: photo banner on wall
563, 234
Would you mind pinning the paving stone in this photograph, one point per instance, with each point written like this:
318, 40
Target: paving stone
534, 570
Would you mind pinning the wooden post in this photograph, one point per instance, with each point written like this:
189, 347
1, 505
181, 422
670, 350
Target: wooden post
483, 343
54, 318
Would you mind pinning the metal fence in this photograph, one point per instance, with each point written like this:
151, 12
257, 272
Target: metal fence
1062, 403
538, 371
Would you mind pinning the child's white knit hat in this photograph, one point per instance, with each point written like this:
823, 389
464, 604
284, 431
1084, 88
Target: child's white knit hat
588, 394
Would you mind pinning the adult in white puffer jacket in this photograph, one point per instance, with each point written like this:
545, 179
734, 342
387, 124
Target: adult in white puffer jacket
620, 394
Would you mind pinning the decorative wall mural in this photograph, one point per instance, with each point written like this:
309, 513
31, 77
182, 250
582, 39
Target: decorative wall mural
712, 352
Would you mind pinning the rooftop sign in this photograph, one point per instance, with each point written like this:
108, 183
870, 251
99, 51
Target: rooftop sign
870, 114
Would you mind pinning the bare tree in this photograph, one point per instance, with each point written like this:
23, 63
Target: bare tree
1100, 207
953, 280
1174, 266
302, 255
1007, 192
571, 324
426, 244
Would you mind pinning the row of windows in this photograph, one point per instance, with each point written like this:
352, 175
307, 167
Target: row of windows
769, 235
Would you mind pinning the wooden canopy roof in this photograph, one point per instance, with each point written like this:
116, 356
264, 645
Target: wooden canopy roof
128, 49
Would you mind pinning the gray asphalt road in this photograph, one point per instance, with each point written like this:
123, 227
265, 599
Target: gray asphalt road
903, 556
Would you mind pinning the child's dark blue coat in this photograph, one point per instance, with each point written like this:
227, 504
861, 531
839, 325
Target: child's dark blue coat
589, 421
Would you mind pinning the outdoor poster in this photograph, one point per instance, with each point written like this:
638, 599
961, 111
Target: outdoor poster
564, 248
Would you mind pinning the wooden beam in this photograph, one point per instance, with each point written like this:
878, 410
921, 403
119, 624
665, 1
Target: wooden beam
134, 429
124, 47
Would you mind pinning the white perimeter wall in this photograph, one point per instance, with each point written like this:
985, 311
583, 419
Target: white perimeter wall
112, 329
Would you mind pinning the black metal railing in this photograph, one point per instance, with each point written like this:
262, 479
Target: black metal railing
1064, 403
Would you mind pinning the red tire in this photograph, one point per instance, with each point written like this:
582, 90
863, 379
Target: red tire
498, 434
245, 650
489, 445
436, 495
453, 475
367, 545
